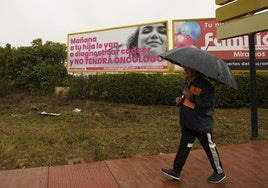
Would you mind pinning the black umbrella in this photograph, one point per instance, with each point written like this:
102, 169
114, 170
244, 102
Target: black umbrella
203, 62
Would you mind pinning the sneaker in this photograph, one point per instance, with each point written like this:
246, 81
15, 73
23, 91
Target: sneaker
216, 178
171, 173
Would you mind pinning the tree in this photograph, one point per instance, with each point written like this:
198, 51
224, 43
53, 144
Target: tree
36, 68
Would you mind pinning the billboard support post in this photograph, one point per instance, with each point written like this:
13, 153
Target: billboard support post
253, 92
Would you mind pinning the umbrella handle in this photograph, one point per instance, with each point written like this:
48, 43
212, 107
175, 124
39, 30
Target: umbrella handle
208, 46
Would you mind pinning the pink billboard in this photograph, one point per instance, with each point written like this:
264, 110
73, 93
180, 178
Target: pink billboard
130, 48
234, 51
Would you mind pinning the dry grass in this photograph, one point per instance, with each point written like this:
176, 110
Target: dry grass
101, 130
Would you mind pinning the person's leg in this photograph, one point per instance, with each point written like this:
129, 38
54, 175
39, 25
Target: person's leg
213, 156
211, 151
186, 144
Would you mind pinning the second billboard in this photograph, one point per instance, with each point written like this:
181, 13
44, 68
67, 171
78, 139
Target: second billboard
234, 51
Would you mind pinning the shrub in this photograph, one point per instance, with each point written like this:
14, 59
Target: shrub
161, 89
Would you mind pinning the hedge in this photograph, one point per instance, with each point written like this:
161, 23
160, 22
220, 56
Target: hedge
161, 89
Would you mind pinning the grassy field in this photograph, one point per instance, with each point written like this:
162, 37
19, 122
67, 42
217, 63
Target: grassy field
101, 130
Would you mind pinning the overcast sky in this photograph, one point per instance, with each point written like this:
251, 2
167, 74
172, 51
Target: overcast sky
22, 21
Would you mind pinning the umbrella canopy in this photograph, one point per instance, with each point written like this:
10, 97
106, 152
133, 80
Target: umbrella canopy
203, 62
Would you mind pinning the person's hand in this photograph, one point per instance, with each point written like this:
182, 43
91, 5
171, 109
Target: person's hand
179, 100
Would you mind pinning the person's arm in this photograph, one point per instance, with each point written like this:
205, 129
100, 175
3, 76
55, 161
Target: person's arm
181, 96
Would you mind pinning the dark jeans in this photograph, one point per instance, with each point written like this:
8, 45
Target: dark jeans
187, 139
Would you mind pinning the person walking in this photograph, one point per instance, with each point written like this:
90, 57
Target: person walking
196, 101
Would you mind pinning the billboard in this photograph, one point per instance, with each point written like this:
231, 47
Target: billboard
129, 48
235, 51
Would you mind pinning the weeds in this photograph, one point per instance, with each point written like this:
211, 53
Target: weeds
101, 130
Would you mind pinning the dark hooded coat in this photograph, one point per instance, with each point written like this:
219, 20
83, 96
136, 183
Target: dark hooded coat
199, 118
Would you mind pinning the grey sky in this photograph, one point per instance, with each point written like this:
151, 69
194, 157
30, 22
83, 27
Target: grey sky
51, 20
